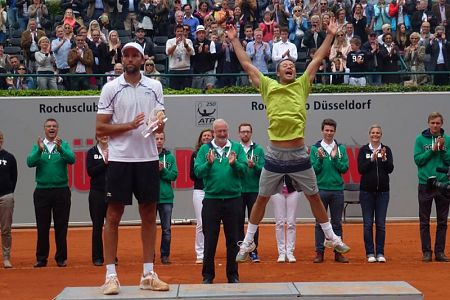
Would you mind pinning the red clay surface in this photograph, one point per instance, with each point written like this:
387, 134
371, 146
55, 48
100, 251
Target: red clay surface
402, 252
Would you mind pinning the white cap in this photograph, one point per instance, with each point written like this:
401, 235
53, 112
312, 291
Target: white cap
200, 28
133, 45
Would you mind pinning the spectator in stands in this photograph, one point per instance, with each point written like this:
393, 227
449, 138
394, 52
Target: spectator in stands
3, 22
61, 47
22, 82
315, 36
278, 14
22, 14
104, 24
130, 10
39, 12
70, 19
174, 7
203, 12
414, 58
338, 71
146, 17
349, 32
224, 13
190, 20
386, 30
284, 49
341, 4
207, 23
402, 38
4, 58
68, 33
14, 63
381, 16
298, 24
83, 32
442, 12
341, 19
267, 26
203, 61
114, 50
369, 13
425, 33
373, 61
248, 35
247, 10
312, 8
80, 61
179, 51
150, 70
326, 17
390, 56
73, 5
359, 22
12, 14
439, 50
145, 42
161, 19
276, 36
96, 8
259, 52
45, 62
340, 49
227, 63
357, 62
240, 21
422, 15
398, 14
100, 54
94, 25
178, 21
118, 70
323, 8
28, 42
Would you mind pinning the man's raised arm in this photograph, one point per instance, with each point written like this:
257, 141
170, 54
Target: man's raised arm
323, 50
245, 61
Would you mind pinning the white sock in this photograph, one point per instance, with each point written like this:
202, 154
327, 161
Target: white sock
251, 230
111, 270
328, 231
148, 267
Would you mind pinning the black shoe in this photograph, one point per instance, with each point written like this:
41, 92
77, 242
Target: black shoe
116, 261
441, 257
40, 264
340, 258
165, 260
427, 257
61, 263
319, 258
233, 280
98, 262
207, 281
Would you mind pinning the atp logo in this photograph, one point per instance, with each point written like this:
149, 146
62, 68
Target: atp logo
206, 112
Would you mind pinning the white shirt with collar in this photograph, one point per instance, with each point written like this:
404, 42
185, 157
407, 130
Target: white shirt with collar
50, 145
280, 48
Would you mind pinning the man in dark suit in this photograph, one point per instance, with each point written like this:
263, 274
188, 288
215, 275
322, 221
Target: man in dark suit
315, 36
130, 14
422, 15
29, 43
442, 11
439, 49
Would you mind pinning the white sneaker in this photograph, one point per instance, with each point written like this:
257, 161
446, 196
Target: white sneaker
111, 286
291, 258
7, 264
371, 259
199, 261
152, 282
381, 259
244, 249
337, 245
281, 258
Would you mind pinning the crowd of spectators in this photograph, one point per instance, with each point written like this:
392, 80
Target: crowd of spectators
189, 37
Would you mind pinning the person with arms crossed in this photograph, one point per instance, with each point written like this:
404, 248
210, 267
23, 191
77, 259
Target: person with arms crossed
250, 179
8, 178
430, 152
375, 163
168, 172
329, 160
52, 195
125, 104
221, 163
286, 111
198, 195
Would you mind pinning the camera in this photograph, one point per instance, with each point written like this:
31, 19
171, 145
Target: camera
433, 184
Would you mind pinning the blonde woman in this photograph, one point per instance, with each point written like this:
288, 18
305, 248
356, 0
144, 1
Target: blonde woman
340, 48
414, 57
150, 70
95, 25
114, 50
45, 63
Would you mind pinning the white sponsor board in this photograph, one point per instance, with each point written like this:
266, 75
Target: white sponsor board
402, 117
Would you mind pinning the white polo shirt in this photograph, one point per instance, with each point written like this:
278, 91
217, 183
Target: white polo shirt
124, 102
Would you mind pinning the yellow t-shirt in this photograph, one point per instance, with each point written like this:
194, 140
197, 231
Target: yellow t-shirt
285, 106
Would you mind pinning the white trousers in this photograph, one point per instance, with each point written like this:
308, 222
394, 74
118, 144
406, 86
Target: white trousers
285, 207
197, 199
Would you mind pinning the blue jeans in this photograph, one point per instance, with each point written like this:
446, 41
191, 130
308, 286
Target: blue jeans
335, 201
374, 203
165, 215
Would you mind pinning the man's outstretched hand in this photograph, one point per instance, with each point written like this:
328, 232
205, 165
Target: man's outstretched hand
231, 31
332, 27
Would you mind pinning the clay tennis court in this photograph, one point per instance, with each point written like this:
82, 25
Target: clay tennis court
402, 249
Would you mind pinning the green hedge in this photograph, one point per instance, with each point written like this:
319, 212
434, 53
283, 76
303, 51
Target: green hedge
245, 90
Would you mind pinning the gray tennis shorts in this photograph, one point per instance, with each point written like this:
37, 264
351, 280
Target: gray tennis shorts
293, 162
